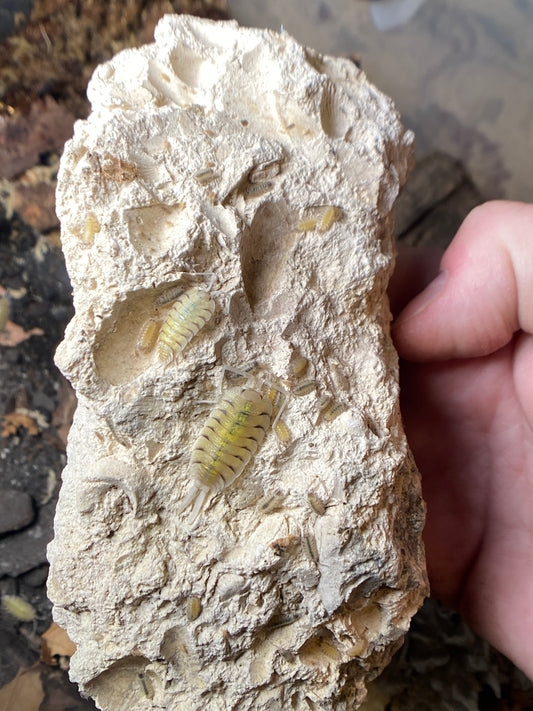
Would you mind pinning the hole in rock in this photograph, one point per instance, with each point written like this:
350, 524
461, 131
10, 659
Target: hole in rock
192, 69
124, 685
265, 249
333, 118
153, 229
116, 357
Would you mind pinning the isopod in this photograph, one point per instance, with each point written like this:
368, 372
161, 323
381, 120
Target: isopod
18, 608
283, 432
265, 172
271, 503
316, 503
254, 190
169, 295
234, 430
330, 215
148, 335
323, 219
304, 388
205, 176
299, 366
187, 316
307, 225
310, 547
194, 608
330, 409
92, 226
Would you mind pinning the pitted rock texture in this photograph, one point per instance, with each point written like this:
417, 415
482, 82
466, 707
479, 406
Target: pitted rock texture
238, 163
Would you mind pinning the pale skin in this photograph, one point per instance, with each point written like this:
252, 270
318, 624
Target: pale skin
467, 400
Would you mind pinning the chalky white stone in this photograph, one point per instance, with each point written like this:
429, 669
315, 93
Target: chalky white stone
239, 162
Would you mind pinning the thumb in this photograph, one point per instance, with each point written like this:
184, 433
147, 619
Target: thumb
483, 294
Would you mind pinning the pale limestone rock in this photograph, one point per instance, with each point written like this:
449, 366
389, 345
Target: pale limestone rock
209, 160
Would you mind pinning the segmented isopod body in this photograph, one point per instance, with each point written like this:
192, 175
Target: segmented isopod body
233, 432
330, 409
194, 608
205, 176
310, 547
316, 503
187, 316
283, 432
304, 388
254, 190
271, 503
330, 215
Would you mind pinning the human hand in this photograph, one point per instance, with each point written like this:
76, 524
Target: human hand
467, 403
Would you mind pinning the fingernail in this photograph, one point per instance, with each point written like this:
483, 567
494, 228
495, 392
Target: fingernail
424, 299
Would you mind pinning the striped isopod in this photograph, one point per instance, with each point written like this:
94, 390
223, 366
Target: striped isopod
304, 388
330, 409
190, 312
233, 432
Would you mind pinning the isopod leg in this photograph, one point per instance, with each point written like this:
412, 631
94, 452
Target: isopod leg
280, 411
196, 498
201, 496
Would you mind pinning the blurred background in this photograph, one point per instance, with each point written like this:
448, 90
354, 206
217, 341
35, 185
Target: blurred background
461, 75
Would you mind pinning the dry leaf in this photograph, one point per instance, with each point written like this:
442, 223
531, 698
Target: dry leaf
24, 692
64, 412
56, 643
13, 420
12, 334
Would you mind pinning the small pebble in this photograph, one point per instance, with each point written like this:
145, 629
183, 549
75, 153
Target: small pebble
16, 510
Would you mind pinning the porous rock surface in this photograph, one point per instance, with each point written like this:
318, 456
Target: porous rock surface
237, 161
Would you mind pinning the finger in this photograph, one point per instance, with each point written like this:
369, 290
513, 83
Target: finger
484, 293
523, 358
415, 268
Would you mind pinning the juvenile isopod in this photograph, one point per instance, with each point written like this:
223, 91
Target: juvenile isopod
169, 295
277, 398
18, 608
148, 335
310, 547
143, 684
307, 225
234, 430
330, 409
316, 503
205, 176
265, 172
271, 503
92, 226
194, 608
254, 190
187, 316
323, 218
330, 215
282, 431
304, 388
299, 366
